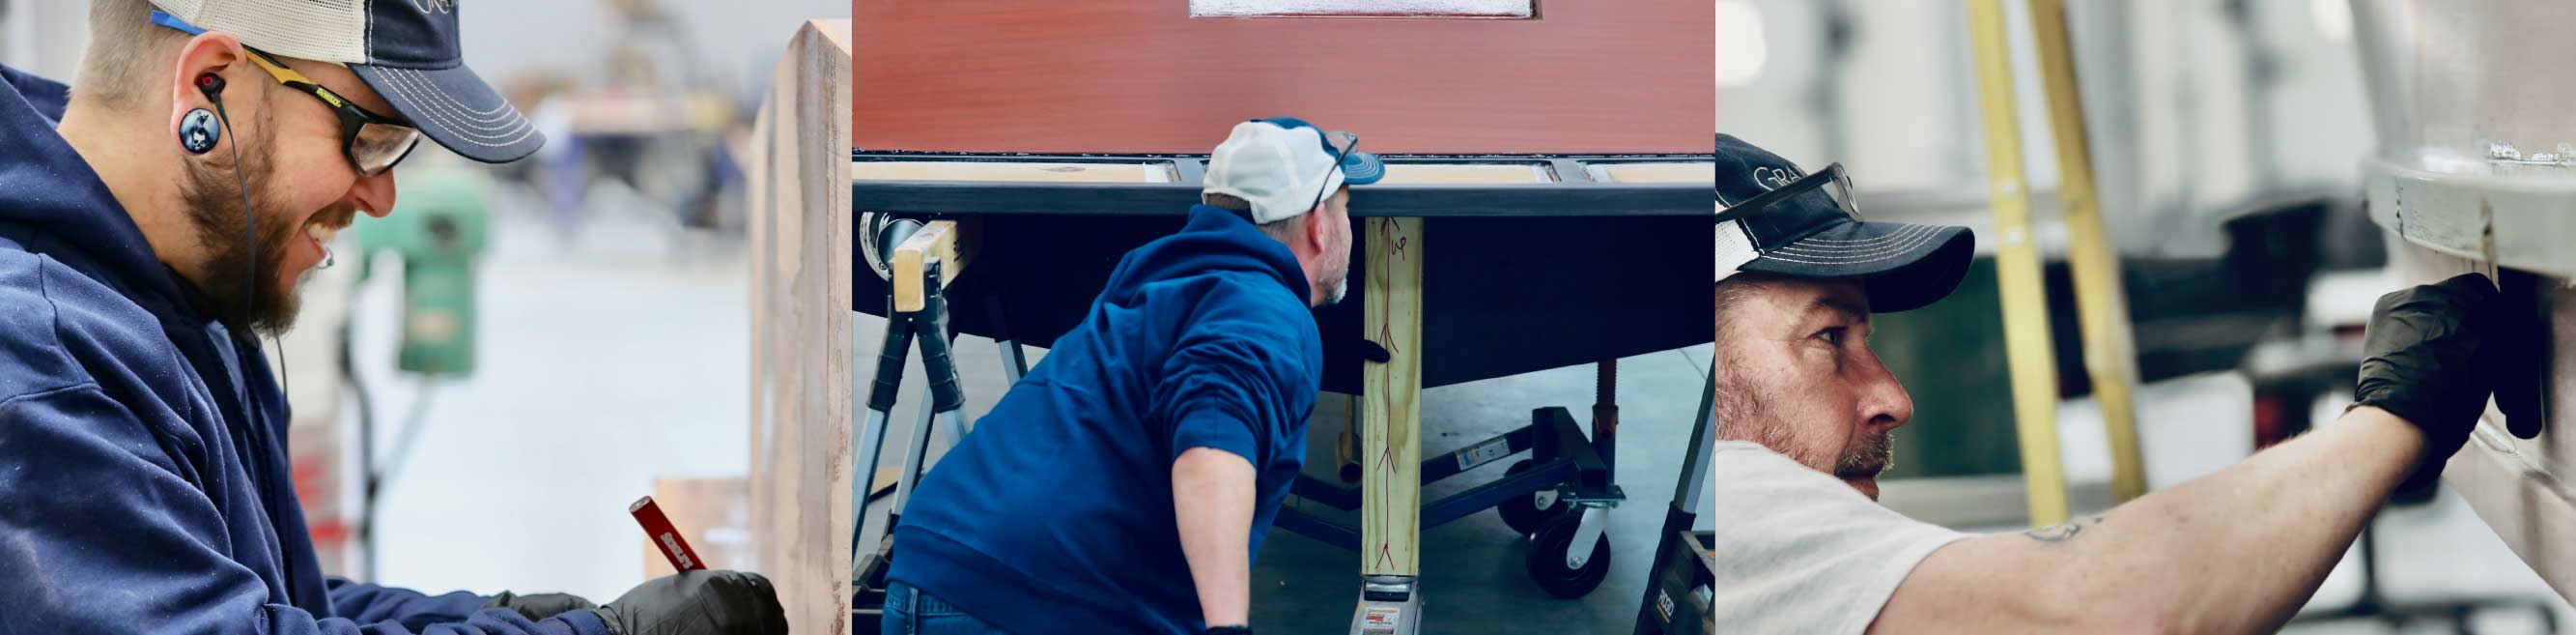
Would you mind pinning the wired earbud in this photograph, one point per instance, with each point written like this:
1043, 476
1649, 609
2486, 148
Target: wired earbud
212, 86
198, 132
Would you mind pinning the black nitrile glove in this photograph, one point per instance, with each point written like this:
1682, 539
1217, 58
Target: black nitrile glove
2420, 362
539, 606
700, 602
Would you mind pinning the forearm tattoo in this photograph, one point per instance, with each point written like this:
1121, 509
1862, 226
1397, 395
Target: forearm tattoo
2063, 532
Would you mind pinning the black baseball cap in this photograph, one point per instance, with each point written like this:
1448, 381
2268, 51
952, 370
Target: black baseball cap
1776, 219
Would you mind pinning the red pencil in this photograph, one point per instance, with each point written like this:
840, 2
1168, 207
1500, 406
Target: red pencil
658, 529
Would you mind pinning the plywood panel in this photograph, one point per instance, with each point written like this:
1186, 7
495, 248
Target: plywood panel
1371, 8
1464, 174
1142, 76
1656, 172
800, 332
1391, 402
995, 171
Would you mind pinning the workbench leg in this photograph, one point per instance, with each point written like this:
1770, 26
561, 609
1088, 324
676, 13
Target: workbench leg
915, 457
1015, 363
1391, 416
1390, 405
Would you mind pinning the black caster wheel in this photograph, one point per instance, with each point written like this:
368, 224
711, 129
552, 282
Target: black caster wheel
1546, 558
1524, 514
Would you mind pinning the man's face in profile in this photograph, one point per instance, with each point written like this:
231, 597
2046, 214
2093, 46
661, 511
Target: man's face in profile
1794, 373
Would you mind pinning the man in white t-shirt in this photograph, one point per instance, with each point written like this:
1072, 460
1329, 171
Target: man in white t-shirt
1803, 411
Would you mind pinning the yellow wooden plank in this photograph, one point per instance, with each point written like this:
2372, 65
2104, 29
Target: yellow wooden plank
1465, 173
2017, 271
1656, 172
936, 241
2110, 356
1390, 403
1011, 171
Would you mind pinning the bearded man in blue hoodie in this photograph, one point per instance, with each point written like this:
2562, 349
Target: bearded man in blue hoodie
154, 219
1124, 485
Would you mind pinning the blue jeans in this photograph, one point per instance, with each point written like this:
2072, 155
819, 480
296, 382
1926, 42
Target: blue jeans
908, 611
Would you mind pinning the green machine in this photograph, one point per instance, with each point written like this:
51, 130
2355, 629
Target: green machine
439, 228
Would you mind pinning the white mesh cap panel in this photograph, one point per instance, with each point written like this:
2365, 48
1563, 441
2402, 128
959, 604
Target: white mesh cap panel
322, 30
1734, 248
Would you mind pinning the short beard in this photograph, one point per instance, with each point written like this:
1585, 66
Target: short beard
242, 297
1341, 284
1338, 272
1743, 413
1874, 456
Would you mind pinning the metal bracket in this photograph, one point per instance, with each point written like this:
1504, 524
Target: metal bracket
1389, 605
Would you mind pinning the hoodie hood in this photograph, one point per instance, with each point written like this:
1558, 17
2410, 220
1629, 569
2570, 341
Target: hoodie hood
52, 203
1215, 239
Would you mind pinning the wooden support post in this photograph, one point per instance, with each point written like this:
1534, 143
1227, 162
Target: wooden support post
1390, 404
936, 241
2017, 270
2101, 310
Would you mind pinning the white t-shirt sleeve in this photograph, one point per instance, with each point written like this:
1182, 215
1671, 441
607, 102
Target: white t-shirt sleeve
1799, 551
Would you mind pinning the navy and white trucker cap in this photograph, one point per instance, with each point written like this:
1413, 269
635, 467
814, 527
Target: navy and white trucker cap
406, 50
1775, 219
1283, 165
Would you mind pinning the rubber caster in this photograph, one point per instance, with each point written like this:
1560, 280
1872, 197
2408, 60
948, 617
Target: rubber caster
1546, 558
1524, 514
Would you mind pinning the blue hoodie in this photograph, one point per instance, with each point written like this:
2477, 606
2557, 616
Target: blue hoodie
1055, 516
143, 470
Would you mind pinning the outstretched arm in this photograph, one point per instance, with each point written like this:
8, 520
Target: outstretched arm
2233, 552
2240, 550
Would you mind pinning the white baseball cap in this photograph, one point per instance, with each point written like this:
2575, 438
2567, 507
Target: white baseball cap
1282, 165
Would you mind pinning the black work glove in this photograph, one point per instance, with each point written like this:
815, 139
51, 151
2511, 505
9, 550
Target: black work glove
539, 606
699, 602
2420, 362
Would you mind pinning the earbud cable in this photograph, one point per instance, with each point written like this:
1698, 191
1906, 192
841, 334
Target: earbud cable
250, 229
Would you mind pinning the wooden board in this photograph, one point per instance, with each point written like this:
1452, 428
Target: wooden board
800, 332
1369, 8
1464, 174
994, 171
1656, 172
1142, 76
713, 516
1391, 401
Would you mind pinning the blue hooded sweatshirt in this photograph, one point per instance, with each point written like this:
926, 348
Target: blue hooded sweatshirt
144, 483
1055, 515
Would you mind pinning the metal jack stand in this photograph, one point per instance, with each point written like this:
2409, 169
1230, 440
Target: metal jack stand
1389, 605
923, 261
1673, 604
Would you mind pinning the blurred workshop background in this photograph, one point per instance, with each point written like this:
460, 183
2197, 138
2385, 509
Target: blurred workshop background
2228, 142
524, 349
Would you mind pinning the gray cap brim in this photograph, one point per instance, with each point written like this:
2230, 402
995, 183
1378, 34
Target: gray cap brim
457, 110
